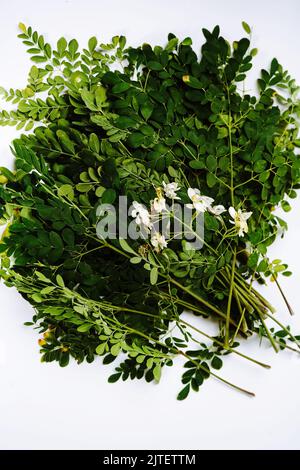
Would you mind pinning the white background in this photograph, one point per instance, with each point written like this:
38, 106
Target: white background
46, 407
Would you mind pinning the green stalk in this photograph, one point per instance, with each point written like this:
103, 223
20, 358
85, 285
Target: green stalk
200, 300
252, 300
283, 296
239, 324
284, 329
251, 289
227, 326
236, 387
266, 366
269, 335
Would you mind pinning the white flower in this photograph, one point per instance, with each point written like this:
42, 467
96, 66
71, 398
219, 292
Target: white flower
239, 220
170, 190
141, 215
200, 203
217, 210
158, 241
159, 203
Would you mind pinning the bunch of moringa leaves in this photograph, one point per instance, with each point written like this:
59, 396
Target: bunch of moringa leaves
162, 127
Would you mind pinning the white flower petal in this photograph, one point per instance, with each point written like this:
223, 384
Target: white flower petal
207, 200
240, 220
158, 241
192, 192
246, 215
200, 207
232, 212
217, 210
170, 190
158, 205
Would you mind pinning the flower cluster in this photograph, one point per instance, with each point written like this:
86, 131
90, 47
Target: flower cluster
239, 220
145, 219
203, 203
200, 203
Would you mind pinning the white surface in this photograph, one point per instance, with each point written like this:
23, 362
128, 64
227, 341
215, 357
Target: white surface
44, 406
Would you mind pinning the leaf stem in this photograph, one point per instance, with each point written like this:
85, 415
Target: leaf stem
227, 326
200, 366
232, 350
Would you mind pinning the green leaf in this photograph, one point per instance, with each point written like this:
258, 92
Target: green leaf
136, 139
222, 132
263, 266
197, 164
61, 46
99, 191
211, 163
109, 196
286, 206
84, 328
47, 290
253, 260
94, 143
92, 44
153, 276
100, 95
64, 359
115, 349
114, 378
157, 372
216, 362
37, 298
172, 44
122, 42
41, 277
24, 107
56, 240
135, 260
124, 245
193, 82
124, 122
274, 66
140, 359
172, 172
60, 281
187, 42
149, 363
211, 180
120, 87
66, 190
73, 47
100, 349
3, 248
146, 110
65, 141
153, 65
84, 187
88, 99
38, 59
22, 27
183, 393
246, 27
68, 236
